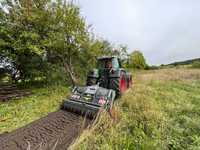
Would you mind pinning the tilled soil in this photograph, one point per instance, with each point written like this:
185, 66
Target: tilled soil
8, 92
53, 132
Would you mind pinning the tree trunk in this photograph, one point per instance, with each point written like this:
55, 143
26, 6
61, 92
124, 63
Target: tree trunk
68, 69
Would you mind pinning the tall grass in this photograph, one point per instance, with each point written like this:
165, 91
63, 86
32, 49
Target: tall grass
161, 111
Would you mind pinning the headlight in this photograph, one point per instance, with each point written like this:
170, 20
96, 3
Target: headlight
75, 96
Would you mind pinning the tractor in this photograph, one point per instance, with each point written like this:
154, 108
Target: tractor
103, 85
110, 75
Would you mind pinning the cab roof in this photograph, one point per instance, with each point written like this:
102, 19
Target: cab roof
106, 57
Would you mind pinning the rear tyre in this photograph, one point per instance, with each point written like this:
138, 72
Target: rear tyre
119, 85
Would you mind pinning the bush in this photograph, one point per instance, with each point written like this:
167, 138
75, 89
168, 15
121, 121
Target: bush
196, 64
137, 61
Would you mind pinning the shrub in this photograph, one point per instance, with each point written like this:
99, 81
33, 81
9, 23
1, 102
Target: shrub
196, 64
137, 61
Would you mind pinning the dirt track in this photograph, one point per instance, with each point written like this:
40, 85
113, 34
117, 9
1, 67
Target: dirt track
53, 132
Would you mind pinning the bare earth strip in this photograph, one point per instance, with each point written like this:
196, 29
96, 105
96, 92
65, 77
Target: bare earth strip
53, 132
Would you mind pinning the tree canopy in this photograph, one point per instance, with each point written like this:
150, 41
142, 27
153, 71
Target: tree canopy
137, 60
42, 37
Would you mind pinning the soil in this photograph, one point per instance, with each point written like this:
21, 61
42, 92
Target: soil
56, 131
8, 92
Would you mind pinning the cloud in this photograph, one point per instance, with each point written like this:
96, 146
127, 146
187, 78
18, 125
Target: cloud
165, 31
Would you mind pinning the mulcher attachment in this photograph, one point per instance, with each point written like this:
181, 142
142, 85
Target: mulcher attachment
81, 108
87, 101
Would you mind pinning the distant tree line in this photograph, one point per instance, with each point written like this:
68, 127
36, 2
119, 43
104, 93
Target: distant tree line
192, 63
49, 40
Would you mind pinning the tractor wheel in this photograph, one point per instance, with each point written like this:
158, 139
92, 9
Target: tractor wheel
119, 85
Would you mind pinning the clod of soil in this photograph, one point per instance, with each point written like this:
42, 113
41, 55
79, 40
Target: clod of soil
53, 132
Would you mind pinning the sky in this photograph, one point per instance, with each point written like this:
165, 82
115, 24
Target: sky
164, 30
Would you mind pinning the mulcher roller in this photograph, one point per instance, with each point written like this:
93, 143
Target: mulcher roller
81, 108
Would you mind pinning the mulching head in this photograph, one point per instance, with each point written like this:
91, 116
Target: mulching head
81, 108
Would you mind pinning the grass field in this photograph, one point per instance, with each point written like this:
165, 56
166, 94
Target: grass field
161, 111
17, 113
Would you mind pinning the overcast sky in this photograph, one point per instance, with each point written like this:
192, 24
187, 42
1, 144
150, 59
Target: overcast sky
164, 30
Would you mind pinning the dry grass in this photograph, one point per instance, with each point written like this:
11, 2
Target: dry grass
169, 75
161, 111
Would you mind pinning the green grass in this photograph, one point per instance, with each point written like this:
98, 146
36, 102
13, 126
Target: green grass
161, 111
17, 113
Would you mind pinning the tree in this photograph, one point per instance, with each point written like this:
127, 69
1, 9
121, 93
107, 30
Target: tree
137, 60
122, 53
23, 28
41, 36
67, 38
36, 33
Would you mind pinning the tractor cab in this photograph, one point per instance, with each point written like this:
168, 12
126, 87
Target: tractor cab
108, 63
109, 74
107, 66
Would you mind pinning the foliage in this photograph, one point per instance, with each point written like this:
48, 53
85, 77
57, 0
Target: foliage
121, 52
22, 32
186, 62
137, 61
39, 35
196, 65
67, 38
152, 67
93, 49
191, 63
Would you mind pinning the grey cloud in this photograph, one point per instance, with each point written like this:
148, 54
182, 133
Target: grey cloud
165, 31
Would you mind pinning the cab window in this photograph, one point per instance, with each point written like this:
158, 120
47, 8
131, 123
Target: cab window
115, 63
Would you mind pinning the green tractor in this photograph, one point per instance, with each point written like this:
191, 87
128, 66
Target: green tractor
103, 86
110, 75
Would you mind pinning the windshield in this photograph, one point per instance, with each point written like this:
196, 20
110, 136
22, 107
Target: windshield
104, 63
115, 63
108, 63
